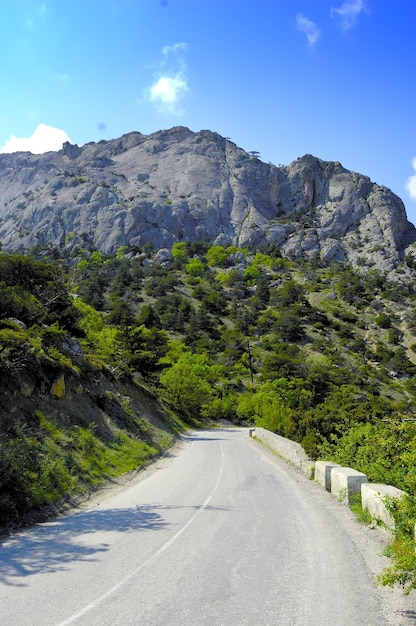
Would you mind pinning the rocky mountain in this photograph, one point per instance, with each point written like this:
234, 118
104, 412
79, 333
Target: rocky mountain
178, 185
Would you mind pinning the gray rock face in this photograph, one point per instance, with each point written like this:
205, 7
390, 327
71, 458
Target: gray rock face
177, 185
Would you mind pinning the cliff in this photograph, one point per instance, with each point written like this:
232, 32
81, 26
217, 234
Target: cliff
178, 185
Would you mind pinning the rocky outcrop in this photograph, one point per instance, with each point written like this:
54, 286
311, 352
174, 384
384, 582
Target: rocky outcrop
58, 387
178, 185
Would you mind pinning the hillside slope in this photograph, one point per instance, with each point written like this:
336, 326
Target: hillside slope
99, 354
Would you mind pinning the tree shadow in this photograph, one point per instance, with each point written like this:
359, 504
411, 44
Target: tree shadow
49, 547
411, 615
195, 436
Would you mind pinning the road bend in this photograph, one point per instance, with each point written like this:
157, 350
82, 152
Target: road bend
221, 532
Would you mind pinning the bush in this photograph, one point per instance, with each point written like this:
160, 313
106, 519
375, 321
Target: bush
383, 320
402, 549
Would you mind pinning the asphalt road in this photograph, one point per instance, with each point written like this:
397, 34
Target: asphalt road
220, 532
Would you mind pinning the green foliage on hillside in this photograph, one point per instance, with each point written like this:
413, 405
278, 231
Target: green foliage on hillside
39, 467
257, 321
318, 353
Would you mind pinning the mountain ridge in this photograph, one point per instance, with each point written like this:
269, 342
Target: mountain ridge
179, 185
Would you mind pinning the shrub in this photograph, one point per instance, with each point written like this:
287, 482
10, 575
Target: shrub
402, 549
383, 320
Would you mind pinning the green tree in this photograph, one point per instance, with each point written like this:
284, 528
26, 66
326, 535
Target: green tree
290, 293
101, 341
214, 302
38, 291
188, 384
217, 256
145, 348
267, 409
179, 253
148, 317
195, 268
121, 313
383, 320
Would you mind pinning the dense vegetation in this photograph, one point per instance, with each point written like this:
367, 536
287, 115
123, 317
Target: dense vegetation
322, 354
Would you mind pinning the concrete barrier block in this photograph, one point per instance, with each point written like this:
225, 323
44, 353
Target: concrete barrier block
289, 450
373, 497
323, 473
346, 482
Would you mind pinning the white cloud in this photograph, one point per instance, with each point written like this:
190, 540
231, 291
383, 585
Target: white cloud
176, 46
62, 79
348, 13
168, 91
44, 139
171, 82
411, 182
39, 12
308, 27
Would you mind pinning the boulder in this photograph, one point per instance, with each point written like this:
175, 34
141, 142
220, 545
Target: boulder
58, 387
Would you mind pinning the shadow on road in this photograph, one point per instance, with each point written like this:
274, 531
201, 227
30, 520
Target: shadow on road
411, 615
215, 434
50, 547
196, 438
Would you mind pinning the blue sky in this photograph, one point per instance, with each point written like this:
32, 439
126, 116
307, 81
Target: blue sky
333, 78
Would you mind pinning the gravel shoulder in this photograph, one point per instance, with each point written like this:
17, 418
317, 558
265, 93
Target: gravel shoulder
398, 609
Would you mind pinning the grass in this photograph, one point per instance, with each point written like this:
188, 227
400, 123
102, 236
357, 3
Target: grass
45, 464
362, 515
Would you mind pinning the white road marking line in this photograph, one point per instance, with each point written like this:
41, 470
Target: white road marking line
165, 546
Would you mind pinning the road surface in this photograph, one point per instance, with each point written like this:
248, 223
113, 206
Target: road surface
221, 532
